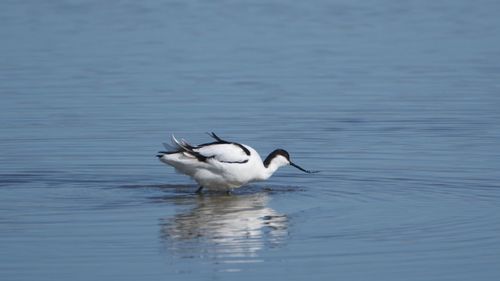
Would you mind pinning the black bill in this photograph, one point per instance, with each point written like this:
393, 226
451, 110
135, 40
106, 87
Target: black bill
302, 169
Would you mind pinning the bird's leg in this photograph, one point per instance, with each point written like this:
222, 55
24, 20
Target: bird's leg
198, 191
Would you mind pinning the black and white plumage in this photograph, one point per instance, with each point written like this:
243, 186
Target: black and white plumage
223, 165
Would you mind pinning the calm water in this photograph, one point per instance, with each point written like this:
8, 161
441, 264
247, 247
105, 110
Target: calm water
396, 102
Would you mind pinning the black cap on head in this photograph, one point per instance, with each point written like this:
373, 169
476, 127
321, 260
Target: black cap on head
275, 153
284, 153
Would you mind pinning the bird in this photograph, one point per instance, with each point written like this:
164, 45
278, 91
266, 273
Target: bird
223, 165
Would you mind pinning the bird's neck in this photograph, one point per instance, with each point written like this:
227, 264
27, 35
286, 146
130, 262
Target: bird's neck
272, 163
270, 169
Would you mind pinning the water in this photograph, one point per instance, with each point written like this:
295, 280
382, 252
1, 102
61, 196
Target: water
395, 102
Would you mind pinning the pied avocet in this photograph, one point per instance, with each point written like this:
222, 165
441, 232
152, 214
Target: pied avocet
223, 165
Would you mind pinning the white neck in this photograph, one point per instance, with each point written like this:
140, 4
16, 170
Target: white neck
273, 166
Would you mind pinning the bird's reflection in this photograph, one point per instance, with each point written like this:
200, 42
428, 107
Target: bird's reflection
225, 227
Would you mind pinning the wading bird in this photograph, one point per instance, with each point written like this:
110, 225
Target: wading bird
223, 165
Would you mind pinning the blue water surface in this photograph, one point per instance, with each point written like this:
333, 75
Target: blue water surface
396, 102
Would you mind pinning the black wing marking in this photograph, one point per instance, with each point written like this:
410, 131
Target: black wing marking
221, 141
213, 135
233, 162
183, 146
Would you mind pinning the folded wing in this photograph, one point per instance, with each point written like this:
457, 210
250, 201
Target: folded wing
222, 151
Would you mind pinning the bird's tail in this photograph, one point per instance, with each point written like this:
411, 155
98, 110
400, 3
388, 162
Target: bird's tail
180, 146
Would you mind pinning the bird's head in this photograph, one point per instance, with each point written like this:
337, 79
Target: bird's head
281, 157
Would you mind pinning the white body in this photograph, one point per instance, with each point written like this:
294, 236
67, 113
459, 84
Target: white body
223, 165
226, 167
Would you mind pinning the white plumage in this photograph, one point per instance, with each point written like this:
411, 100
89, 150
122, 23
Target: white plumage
223, 165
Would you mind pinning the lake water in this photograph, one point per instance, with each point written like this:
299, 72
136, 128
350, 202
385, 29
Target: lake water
396, 102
